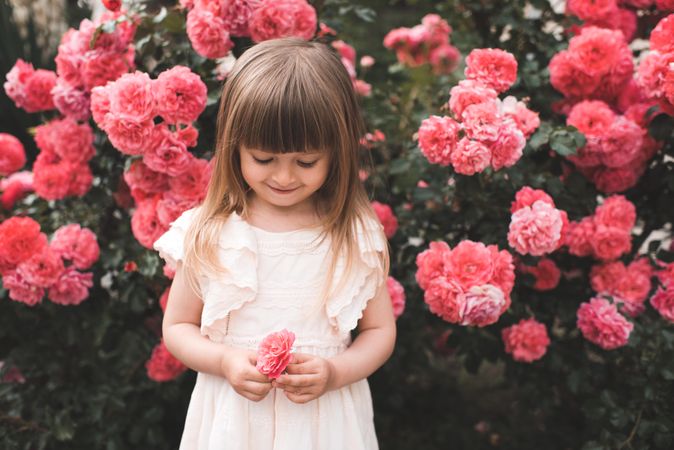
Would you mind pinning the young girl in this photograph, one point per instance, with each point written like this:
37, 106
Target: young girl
285, 239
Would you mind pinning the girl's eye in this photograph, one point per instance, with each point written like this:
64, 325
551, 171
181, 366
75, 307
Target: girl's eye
306, 164
262, 161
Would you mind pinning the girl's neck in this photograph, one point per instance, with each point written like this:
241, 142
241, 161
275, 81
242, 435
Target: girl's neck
260, 215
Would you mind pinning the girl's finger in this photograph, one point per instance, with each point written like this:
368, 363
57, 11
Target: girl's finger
297, 380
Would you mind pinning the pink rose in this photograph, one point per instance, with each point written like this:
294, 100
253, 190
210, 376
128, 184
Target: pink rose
12, 154
20, 239
610, 242
71, 101
208, 34
42, 269
397, 294
546, 273
431, 263
386, 217
162, 365
535, 230
616, 211
470, 264
274, 352
663, 302
166, 153
504, 271
492, 67
525, 120
15, 187
481, 305
527, 196
193, 182
38, 91
21, 290
527, 340
99, 67
470, 157
579, 237
482, 121
591, 117
592, 10
437, 139
72, 287
76, 244
145, 224
622, 143
127, 135
600, 323
281, 18
180, 95
662, 36
467, 93
132, 96
442, 298
507, 149
140, 176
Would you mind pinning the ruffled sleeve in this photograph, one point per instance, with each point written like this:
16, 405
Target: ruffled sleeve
170, 245
346, 305
222, 292
229, 290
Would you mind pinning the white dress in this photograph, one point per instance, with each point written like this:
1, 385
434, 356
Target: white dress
274, 281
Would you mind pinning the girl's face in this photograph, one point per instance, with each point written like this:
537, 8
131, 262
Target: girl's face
284, 180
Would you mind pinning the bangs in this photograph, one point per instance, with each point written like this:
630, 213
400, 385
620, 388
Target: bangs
296, 109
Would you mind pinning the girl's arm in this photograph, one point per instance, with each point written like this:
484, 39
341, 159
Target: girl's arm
183, 339
310, 376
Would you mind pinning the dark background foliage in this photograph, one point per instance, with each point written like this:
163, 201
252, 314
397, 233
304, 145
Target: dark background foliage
445, 386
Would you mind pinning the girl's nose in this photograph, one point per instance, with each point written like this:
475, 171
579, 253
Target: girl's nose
283, 178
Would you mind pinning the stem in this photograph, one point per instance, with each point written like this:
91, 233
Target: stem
628, 441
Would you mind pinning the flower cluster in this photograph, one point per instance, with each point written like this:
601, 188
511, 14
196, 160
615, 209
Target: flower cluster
600, 323
397, 293
485, 131
617, 147
12, 154
30, 266
606, 235
426, 43
597, 65
274, 352
162, 365
467, 285
211, 24
30, 89
61, 169
606, 14
348, 56
655, 75
536, 226
527, 340
386, 217
628, 285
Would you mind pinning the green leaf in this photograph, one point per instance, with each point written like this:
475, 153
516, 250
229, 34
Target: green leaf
661, 127
566, 141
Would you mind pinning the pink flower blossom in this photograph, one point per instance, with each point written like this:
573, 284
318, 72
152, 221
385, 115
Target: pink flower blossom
470, 264
610, 242
127, 135
30, 89
622, 143
663, 302
15, 187
507, 149
162, 365
132, 96
280, 18
145, 224
386, 217
504, 271
42, 269
71, 101
166, 153
20, 239
20, 290
481, 305
274, 353
591, 117
397, 294
72, 287
208, 34
180, 95
12, 154
600, 323
140, 177
527, 340
579, 237
527, 196
438, 137
592, 10
442, 297
611, 180
525, 120
467, 93
470, 157
66, 139
492, 67
193, 182
616, 211
662, 36
481, 121
444, 59
546, 274
76, 244
535, 230
431, 263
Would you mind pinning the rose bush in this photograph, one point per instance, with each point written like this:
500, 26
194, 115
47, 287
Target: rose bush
523, 174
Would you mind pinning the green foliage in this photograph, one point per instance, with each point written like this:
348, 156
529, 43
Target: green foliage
445, 386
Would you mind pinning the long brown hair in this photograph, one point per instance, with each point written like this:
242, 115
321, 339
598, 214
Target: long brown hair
285, 95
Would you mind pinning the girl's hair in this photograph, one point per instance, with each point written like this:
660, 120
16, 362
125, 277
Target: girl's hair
285, 95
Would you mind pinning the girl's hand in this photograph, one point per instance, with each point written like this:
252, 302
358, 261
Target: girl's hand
307, 378
238, 366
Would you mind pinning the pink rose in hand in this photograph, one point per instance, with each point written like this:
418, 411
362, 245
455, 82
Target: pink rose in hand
273, 354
